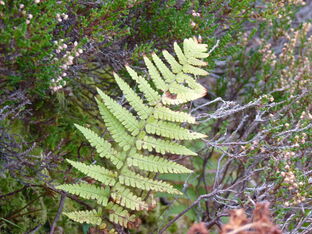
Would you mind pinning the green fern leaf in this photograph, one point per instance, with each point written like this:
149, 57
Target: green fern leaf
175, 66
150, 94
103, 148
181, 57
193, 49
165, 113
88, 216
162, 146
155, 164
122, 114
165, 71
119, 215
197, 88
171, 130
134, 180
158, 81
87, 191
117, 130
124, 197
194, 70
98, 173
196, 62
135, 101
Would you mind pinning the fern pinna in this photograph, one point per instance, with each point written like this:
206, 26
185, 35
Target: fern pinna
142, 140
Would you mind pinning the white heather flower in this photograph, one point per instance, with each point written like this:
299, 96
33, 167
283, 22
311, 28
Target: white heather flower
59, 20
75, 43
55, 42
58, 15
2, 3
70, 57
30, 16
77, 54
65, 67
21, 6
193, 24
37, 1
27, 21
65, 17
58, 51
69, 63
80, 51
64, 74
64, 46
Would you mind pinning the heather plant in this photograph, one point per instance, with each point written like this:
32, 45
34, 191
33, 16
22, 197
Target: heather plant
256, 112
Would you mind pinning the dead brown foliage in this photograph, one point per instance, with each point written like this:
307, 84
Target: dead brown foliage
259, 224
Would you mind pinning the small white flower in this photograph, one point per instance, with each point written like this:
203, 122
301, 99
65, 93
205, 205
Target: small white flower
64, 46
37, 1
2, 3
193, 24
27, 21
65, 17
69, 63
75, 43
77, 54
21, 6
70, 58
58, 51
55, 42
64, 74
58, 15
80, 51
30, 16
59, 20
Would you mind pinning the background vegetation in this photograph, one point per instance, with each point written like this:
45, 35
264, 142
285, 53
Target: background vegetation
257, 112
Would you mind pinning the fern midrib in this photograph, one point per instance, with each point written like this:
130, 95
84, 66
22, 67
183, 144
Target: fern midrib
141, 133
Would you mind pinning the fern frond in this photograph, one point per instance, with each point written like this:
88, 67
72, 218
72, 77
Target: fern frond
122, 114
87, 191
103, 148
165, 71
124, 197
88, 216
119, 215
194, 70
155, 164
182, 95
98, 173
181, 57
191, 82
153, 128
134, 180
150, 94
157, 79
163, 146
117, 130
171, 130
164, 113
175, 66
135, 101
193, 49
